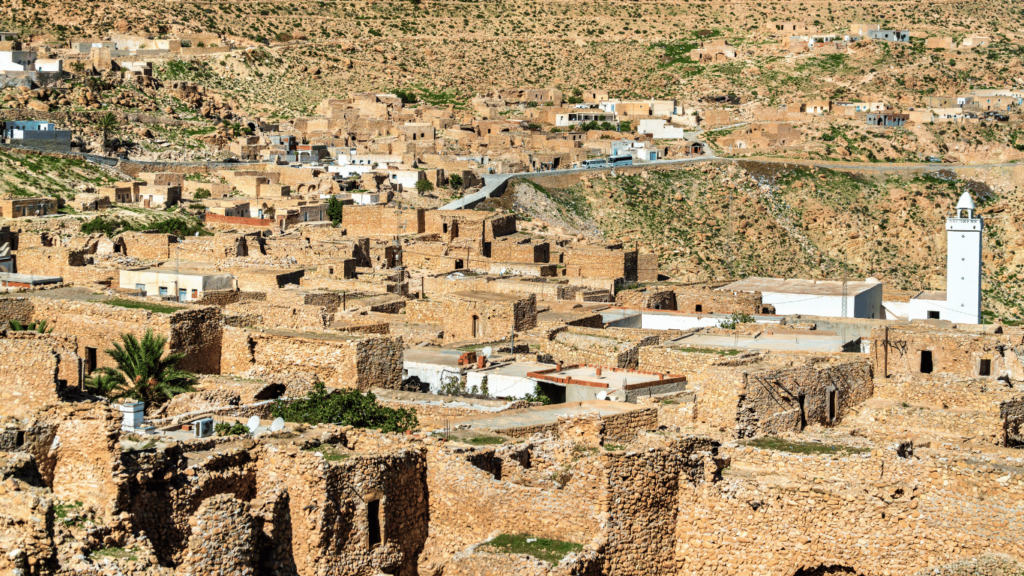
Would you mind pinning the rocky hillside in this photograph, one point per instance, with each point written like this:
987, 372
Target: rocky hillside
723, 221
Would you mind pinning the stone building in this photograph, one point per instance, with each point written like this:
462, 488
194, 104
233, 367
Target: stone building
476, 315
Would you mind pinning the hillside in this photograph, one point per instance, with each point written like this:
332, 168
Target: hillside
722, 221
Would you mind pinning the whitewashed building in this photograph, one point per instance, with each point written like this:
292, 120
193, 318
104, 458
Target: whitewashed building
815, 297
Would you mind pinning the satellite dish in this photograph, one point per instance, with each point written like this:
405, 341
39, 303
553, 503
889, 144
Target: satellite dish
277, 425
602, 395
486, 351
253, 424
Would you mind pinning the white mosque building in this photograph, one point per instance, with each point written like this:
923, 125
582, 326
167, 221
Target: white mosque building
960, 303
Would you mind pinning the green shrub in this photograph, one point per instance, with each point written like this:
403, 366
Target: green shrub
226, 429
202, 193
424, 186
736, 318
455, 181
347, 407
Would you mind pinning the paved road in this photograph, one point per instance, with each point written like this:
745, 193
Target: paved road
494, 184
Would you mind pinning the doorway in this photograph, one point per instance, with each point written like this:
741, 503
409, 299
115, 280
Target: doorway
926, 362
803, 413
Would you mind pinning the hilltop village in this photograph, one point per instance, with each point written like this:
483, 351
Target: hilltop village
312, 302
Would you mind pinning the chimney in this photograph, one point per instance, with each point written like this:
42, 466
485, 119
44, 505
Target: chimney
598, 370
481, 361
661, 376
559, 366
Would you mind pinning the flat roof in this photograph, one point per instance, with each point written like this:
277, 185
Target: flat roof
798, 286
489, 296
804, 342
29, 279
609, 378
935, 295
514, 369
438, 356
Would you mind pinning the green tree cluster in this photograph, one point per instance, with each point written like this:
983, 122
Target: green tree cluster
335, 208
347, 407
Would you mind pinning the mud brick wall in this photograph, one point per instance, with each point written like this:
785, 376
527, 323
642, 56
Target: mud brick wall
898, 351
147, 246
339, 361
861, 513
718, 302
323, 510
223, 539
382, 221
601, 263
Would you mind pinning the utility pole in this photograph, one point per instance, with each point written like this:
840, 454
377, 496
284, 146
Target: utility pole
846, 290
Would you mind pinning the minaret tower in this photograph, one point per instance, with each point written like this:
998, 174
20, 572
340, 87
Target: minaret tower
963, 264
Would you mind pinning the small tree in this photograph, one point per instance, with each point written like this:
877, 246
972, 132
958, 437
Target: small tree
334, 210
202, 193
143, 371
455, 181
735, 319
424, 186
106, 124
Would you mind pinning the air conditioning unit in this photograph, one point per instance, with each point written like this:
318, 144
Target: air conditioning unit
203, 427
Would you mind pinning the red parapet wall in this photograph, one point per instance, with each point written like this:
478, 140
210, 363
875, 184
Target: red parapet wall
239, 220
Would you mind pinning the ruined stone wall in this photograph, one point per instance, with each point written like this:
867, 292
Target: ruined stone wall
647, 267
226, 297
319, 511
337, 360
147, 246
469, 504
515, 252
30, 368
905, 350
654, 298
643, 491
425, 311
946, 391
868, 514
223, 539
597, 347
15, 308
300, 317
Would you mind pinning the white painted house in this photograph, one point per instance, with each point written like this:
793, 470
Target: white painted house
17, 61
661, 129
815, 297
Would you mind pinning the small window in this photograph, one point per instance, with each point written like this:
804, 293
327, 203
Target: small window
803, 413
926, 362
195, 294
985, 368
832, 409
765, 311
459, 264
19, 439
933, 314
373, 521
698, 308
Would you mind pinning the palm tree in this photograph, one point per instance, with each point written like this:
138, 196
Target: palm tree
143, 371
40, 326
106, 124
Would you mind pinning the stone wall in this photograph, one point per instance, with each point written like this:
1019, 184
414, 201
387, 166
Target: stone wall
865, 514
338, 360
579, 345
223, 539
598, 263
909, 350
382, 221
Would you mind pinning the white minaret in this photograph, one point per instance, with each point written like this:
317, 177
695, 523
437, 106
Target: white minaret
963, 264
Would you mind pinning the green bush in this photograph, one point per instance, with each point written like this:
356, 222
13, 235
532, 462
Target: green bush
539, 396
334, 210
347, 407
202, 193
736, 318
455, 181
225, 429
